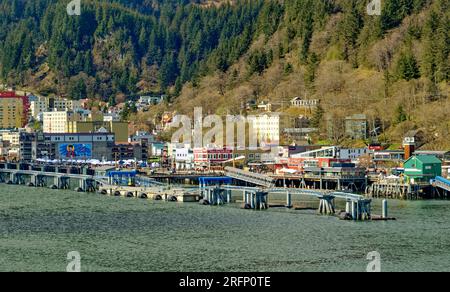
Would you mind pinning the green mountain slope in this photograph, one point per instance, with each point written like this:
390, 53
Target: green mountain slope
112, 49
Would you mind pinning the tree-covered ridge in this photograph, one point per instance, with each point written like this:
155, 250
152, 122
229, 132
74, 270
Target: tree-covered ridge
394, 68
119, 47
115, 49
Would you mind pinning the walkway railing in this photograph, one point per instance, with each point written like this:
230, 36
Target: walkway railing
250, 177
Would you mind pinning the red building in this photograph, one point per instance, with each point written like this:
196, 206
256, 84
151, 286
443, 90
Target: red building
207, 157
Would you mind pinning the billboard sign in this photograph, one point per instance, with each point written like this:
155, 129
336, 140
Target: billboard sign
75, 151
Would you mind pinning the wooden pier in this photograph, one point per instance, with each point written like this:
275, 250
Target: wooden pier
393, 190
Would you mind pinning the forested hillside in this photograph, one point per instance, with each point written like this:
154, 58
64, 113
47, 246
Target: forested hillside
223, 54
112, 49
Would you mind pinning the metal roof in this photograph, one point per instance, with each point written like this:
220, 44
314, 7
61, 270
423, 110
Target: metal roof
427, 159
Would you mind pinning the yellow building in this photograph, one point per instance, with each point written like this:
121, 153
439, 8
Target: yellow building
120, 129
11, 112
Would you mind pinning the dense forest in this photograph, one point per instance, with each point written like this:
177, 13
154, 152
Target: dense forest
119, 46
221, 54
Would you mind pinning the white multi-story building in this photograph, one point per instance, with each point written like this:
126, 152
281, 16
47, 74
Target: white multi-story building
184, 158
267, 128
44, 104
38, 106
56, 121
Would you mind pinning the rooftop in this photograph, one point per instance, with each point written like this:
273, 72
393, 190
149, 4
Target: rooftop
427, 159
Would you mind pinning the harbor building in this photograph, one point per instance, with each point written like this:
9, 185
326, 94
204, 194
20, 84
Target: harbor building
63, 146
207, 157
422, 168
138, 151
184, 158
388, 156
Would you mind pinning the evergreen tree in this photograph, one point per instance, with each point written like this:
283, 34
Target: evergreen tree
317, 118
400, 115
407, 67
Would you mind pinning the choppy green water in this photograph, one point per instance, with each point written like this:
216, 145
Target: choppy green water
38, 227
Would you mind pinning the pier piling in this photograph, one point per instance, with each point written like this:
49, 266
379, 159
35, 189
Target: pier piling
385, 209
289, 200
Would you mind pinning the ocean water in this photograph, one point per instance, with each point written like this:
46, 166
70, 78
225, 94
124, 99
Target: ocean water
38, 227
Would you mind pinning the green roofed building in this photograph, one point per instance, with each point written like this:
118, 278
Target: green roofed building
423, 168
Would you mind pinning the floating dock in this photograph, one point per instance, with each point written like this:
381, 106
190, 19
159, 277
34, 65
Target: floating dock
158, 194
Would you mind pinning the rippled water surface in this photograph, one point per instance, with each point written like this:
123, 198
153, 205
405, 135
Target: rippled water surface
38, 227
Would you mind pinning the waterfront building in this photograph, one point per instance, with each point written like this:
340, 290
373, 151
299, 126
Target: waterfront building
254, 155
324, 152
159, 153
138, 151
444, 156
10, 143
299, 164
325, 157
207, 157
395, 156
289, 151
14, 110
184, 157
341, 171
353, 153
423, 168
83, 121
64, 146
157, 148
